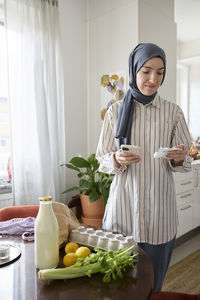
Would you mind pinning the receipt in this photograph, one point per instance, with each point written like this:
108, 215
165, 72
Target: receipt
163, 151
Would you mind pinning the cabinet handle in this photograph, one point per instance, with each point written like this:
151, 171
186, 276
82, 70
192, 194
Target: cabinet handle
186, 207
196, 178
188, 182
185, 196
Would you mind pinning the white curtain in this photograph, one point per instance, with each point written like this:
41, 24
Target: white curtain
36, 99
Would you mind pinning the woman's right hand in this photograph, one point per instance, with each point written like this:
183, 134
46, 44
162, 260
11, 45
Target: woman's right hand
124, 158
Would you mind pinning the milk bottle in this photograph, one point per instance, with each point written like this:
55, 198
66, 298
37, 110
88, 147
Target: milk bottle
46, 236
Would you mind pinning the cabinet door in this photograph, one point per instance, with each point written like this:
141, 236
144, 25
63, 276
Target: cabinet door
185, 218
184, 185
196, 208
184, 198
196, 177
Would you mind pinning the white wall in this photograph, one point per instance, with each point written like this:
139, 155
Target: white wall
188, 50
73, 37
72, 15
183, 89
113, 33
156, 25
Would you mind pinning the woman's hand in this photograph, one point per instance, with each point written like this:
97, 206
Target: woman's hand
177, 156
123, 158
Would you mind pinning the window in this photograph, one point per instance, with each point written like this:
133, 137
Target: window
3, 117
5, 150
4, 141
188, 94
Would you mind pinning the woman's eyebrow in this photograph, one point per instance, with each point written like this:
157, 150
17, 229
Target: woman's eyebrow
152, 68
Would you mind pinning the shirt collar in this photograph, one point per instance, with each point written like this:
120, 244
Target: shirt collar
155, 102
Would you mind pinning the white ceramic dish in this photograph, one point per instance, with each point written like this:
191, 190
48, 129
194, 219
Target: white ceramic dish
14, 253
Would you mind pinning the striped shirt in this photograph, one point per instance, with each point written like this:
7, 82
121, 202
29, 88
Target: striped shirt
142, 199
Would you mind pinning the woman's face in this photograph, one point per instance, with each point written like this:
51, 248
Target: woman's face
150, 76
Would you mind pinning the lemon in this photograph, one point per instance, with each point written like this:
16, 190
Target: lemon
69, 259
71, 247
83, 252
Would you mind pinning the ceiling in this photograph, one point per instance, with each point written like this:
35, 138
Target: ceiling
187, 17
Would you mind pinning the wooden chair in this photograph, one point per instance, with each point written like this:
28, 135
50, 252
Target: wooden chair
76, 203
23, 211
172, 296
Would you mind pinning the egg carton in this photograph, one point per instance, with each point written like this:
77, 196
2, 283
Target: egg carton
104, 240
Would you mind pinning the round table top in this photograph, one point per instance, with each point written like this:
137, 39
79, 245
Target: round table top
19, 279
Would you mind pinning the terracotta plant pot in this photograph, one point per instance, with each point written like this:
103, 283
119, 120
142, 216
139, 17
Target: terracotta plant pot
94, 210
92, 222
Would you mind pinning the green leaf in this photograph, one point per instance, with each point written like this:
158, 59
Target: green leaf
74, 188
93, 196
105, 194
119, 272
72, 167
83, 183
84, 192
93, 161
79, 162
91, 158
80, 174
107, 277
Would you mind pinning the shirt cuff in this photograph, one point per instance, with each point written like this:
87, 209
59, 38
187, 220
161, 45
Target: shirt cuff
119, 170
186, 167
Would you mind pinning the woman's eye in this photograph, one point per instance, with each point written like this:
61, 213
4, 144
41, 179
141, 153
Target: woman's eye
160, 73
145, 72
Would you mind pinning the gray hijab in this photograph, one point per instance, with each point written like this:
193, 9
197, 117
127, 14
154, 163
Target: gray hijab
142, 53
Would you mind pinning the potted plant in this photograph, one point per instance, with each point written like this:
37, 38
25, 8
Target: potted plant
93, 186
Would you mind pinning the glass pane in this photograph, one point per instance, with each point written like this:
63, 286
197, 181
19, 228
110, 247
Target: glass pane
194, 103
188, 95
183, 90
5, 149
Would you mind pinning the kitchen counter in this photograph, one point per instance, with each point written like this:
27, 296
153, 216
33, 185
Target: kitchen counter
196, 162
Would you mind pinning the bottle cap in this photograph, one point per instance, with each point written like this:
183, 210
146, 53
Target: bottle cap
45, 198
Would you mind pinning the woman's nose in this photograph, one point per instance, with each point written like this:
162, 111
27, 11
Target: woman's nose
153, 77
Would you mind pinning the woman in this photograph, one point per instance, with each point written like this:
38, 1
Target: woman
142, 200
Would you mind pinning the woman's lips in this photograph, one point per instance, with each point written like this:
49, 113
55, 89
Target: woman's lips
150, 86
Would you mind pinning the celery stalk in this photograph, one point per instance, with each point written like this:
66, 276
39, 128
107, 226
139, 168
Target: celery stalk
69, 272
111, 263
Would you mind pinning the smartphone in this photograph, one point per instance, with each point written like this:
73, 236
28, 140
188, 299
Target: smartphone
136, 150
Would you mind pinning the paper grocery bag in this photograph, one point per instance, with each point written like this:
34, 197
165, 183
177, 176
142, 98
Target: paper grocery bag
66, 221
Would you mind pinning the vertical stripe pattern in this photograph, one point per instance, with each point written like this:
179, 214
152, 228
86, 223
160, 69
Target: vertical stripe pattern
142, 200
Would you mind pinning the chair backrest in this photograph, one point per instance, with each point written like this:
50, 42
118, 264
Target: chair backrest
163, 295
24, 211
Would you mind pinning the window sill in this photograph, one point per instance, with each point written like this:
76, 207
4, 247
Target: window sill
5, 189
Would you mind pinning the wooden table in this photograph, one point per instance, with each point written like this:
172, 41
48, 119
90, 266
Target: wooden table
19, 281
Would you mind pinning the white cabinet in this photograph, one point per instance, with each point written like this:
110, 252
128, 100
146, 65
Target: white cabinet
184, 198
185, 219
184, 184
196, 196
188, 199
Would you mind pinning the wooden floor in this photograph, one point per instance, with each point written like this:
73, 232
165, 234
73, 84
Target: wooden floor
186, 245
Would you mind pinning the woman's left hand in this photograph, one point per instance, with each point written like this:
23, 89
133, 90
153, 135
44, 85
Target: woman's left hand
177, 156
